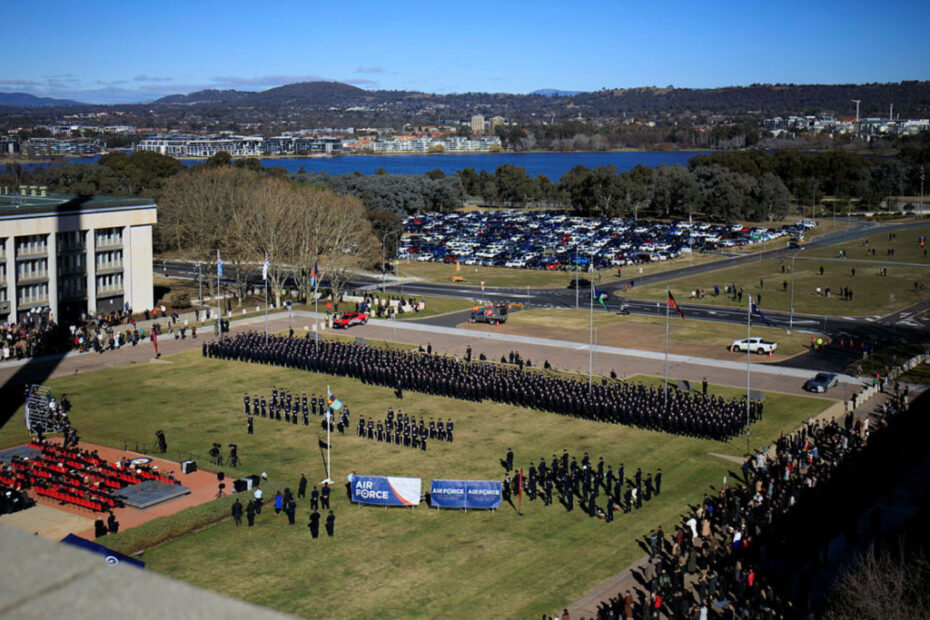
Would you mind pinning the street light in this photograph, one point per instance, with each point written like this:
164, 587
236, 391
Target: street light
591, 325
383, 243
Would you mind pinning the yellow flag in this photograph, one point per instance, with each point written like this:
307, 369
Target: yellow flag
458, 267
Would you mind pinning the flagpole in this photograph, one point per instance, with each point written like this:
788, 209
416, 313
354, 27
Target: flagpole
748, 365
667, 306
219, 301
266, 311
329, 446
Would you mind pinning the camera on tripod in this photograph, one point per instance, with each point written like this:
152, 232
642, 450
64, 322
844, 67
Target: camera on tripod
233, 455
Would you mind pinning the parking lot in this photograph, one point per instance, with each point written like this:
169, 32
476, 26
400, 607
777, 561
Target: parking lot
552, 240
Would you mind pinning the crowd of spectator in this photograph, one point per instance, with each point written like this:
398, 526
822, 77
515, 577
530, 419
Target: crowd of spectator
710, 565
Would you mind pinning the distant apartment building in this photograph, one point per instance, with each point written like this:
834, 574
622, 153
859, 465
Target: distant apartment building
69, 255
497, 121
477, 124
60, 147
238, 146
422, 144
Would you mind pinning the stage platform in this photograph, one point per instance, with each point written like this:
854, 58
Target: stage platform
150, 493
24, 452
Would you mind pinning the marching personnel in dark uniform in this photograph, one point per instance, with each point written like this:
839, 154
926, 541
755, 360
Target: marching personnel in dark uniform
302, 487
245, 402
330, 524
314, 524
324, 496
314, 499
251, 425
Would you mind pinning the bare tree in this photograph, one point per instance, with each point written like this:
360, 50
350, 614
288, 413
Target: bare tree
883, 584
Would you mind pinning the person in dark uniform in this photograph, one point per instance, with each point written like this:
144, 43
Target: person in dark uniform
250, 425
290, 509
237, 512
302, 487
509, 459
112, 524
250, 513
330, 524
658, 480
314, 499
314, 524
324, 496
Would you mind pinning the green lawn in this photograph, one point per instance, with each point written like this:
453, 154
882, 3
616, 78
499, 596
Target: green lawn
389, 562
906, 248
870, 290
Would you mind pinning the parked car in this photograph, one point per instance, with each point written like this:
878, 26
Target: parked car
349, 319
754, 344
822, 382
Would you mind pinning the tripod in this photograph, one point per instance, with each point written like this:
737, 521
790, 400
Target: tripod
220, 493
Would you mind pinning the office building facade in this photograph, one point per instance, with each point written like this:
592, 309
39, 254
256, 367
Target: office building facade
71, 255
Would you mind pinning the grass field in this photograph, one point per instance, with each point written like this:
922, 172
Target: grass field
648, 332
389, 562
870, 290
906, 248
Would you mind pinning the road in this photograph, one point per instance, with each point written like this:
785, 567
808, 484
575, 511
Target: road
899, 327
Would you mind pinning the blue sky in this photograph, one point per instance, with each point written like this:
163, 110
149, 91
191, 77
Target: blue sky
107, 51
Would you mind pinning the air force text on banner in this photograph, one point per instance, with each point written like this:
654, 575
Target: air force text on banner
465, 494
386, 490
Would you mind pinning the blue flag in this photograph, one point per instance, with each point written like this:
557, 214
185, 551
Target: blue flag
755, 310
334, 402
219, 265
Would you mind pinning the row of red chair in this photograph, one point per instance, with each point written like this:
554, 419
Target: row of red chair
96, 506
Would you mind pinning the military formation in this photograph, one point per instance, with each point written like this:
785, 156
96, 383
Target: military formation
404, 430
599, 489
683, 413
291, 408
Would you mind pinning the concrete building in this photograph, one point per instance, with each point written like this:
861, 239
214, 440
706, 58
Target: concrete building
73, 254
477, 124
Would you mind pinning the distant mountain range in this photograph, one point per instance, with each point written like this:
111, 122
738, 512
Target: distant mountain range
25, 100
338, 104
554, 92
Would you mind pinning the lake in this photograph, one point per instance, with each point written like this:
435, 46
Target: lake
553, 165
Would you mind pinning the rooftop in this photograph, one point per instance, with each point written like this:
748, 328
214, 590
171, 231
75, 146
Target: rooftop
13, 204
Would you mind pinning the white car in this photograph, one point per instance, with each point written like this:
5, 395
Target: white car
754, 344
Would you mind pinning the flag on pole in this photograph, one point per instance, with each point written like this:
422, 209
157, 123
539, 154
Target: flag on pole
219, 265
458, 266
334, 402
323, 445
265, 267
314, 275
601, 297
756, 310
674, 305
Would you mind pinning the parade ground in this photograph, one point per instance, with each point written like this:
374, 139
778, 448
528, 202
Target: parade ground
392, 562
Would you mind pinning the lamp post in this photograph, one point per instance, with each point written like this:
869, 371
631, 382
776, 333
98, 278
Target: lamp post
920, 203
591, 326
383, 248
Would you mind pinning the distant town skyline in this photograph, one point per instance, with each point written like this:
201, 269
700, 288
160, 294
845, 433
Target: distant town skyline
116, 52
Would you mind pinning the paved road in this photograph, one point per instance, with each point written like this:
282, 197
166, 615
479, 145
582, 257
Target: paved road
904, 326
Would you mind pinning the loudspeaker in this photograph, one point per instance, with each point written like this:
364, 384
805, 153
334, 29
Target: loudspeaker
220, 476
240, 486
189, 467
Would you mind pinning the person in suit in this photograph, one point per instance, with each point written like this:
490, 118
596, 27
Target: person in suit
314, 499
330, 524
302, 487
237, 512
324, 496
314, 524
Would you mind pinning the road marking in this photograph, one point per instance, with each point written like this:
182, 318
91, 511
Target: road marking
870, 319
